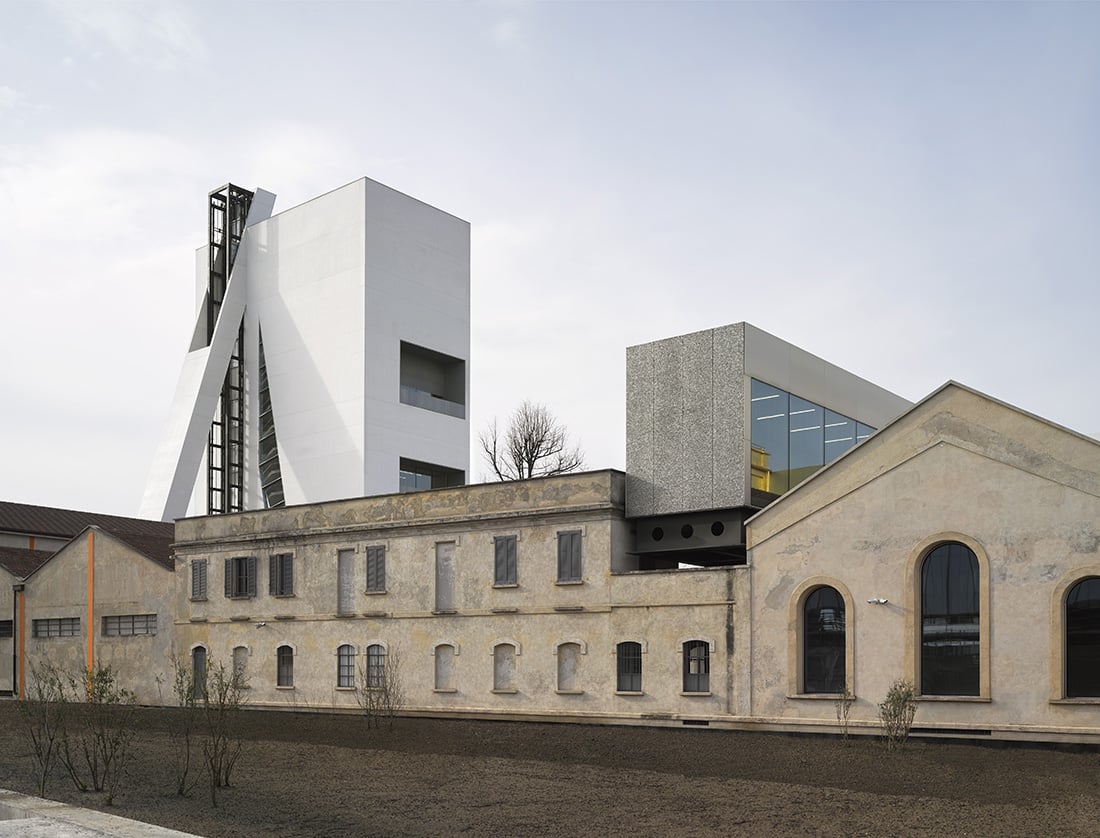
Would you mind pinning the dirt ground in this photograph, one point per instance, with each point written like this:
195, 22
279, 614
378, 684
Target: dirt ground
303, 774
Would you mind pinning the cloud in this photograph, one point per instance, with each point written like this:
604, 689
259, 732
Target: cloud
506, 32
159, 33
10, 99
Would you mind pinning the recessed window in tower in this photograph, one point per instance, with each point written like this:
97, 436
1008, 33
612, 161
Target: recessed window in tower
271, 476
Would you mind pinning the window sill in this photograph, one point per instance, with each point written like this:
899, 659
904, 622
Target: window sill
197, 599
695, 694
1071, 701
285, 617
629, 692
375, 593
505, 692
344, 615
240, 596
239, 618
344, 689
445, 611
819, 697
506, 584
283, 596
504, 610
569, 582
569, 692
198, 619
451, 690
966, 699
284, 687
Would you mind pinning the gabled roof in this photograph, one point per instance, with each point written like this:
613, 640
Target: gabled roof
157, 548
66, 523
957, 415
21, 562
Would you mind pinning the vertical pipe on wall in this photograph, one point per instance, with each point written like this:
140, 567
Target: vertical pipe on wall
18, 644
91, 598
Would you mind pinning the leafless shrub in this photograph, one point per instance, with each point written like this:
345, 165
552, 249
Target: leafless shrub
222, 700
843, 707
379, 689
896, 713
45, 715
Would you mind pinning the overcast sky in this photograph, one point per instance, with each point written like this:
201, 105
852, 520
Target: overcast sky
911, 191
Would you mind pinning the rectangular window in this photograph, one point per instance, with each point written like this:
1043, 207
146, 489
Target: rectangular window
5, 628
198, 579
569, 556
376, 570
345, 581
127, 625
504, 561
240, 577
57, 627
280, 574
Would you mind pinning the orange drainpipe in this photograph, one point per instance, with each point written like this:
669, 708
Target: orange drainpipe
91, 599
22, 608
31, 546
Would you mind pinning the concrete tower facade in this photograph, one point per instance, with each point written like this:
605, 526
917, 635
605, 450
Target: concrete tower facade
330, 357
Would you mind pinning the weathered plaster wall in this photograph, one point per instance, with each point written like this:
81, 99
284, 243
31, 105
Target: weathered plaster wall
1023, 493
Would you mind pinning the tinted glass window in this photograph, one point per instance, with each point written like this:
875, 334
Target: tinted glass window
950, 632
823, 665
769, 438
1083, 640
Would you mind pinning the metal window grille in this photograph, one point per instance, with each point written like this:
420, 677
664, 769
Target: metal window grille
6, 629
127, 625
280, 574
569, 556
285, 669
696, 666
198, 579
345, 666
504, 560
629, 660
376, 569
376, 666
56, 627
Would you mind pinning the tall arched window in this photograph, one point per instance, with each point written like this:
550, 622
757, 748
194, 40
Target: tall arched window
284, 673
1083, 639
198, 673
823, 642
950, 661
345, 666
376, 666
696, 666
628, 657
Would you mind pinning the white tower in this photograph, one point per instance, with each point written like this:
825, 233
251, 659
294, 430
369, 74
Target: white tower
330, 356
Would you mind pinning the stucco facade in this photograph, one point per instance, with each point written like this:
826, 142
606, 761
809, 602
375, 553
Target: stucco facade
1020, 493
534, 615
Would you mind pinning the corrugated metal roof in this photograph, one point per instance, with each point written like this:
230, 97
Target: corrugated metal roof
20, 562
28, 519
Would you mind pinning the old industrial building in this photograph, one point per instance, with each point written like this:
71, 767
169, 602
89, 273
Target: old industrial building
785, 534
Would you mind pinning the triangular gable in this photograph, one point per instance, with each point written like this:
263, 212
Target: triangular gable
151, 549
954, 414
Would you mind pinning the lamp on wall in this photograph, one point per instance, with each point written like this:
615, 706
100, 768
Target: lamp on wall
878, 601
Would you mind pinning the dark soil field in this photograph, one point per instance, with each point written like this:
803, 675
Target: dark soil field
304, 774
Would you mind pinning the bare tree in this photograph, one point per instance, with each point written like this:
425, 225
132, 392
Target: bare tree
535, 444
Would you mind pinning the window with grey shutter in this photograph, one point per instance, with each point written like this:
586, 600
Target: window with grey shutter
198, 579
376, 570
504, 561
569, 556
280, 575
240, 576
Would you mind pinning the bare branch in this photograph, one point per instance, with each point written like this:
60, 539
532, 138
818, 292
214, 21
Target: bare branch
535, 444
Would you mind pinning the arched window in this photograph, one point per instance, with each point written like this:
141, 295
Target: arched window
950, 661
444, 667
696, 666
1083, 639
628, 658
376, 666
504, 667
240, 664
284, 657
345, 666
568, 656
823, 642
198, 673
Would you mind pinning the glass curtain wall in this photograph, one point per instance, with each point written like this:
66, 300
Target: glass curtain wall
793, 437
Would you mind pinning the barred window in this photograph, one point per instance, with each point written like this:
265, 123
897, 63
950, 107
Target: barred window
376, 666
198, 579
629, 659
345, 666
376, 570
696, 666
280, 574
126, 625
57, 627
5, 628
